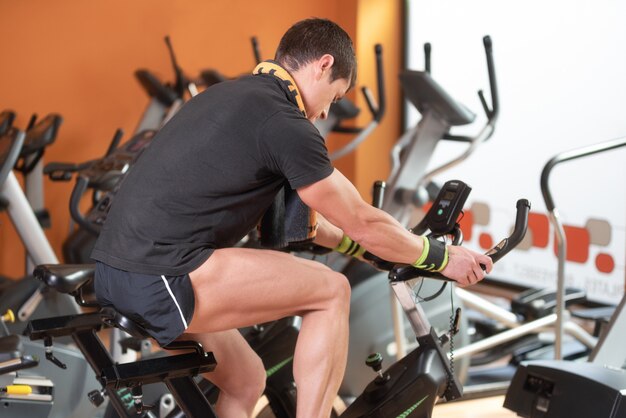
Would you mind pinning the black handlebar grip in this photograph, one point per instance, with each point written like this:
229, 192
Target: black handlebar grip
487, 42
117, 137
378, 193
380, 83
60, 171
519, 231
77, 193
378, 262
255, 50
406, 272
370, 102
492, 114
31, 121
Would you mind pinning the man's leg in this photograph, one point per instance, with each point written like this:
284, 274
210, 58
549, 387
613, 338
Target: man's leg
239, 287
236, 363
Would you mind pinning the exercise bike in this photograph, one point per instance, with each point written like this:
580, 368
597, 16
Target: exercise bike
375, 322
13, 344
24, 296
411, 385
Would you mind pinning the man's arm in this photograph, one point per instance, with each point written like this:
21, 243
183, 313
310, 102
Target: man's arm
328, 235
337, 200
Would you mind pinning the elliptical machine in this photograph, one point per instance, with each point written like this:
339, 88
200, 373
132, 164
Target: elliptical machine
558, 388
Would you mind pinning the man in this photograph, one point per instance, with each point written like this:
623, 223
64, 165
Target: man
166, 254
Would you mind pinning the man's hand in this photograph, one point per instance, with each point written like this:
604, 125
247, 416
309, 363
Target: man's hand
464, 266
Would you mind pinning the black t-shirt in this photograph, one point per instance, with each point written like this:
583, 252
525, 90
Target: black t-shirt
209, 175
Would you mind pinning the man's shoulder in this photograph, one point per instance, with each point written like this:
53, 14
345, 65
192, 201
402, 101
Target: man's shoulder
266, 91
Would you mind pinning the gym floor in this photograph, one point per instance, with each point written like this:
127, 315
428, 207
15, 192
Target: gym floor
475, 408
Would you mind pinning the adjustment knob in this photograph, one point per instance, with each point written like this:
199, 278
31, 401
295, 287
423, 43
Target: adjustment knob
9, 317
375, 361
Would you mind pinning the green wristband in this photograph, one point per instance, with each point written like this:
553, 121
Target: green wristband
349, 247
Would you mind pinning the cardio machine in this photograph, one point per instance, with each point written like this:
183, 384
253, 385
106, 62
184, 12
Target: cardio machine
559, 388
64, 404
410, 386
24, 296
555, 317
375, 322
165, 99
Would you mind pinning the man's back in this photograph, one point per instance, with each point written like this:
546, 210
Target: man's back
209, 175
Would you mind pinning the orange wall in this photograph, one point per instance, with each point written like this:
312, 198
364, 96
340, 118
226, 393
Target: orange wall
77, 58
379, 21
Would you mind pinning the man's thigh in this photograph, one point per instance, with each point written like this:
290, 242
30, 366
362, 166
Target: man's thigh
238, 287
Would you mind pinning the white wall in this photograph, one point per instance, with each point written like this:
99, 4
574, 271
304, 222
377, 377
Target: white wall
561, 70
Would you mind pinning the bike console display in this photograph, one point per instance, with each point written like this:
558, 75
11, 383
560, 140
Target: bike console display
105, 173
442, 216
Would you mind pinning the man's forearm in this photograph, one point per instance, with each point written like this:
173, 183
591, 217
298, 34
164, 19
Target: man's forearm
328, 235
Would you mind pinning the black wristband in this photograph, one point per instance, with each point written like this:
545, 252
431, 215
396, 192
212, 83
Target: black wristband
436, 257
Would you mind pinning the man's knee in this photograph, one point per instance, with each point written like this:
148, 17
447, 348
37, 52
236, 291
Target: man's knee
261, 377
340, 287
245, 382
255, 383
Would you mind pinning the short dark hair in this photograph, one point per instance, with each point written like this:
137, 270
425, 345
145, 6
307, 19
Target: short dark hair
309, 39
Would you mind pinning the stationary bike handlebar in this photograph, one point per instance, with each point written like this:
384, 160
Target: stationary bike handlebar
102, 176
377, 110
402, 272
155, 88
77, 193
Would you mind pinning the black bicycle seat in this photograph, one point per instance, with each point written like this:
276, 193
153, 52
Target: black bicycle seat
65, 278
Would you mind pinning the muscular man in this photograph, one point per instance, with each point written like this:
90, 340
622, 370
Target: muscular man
167, 256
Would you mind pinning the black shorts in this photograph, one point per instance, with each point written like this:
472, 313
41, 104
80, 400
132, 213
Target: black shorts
163, 305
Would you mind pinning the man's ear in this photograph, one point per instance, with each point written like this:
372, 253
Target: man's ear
324, 64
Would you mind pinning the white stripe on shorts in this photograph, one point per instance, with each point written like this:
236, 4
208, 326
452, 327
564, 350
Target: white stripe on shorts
167, 285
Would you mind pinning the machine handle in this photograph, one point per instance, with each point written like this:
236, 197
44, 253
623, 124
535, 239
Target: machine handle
255, 49
492, 114
376, 109
378, 193
77, 193
427, 51
403, 272
117, 137
572, 155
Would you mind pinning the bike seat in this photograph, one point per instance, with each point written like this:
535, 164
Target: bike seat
65, 278
73, 279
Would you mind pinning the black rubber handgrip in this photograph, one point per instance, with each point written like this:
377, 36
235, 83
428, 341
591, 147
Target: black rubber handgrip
77, 193
406, 272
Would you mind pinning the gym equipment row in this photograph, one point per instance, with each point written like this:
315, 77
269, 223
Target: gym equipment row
440, 112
